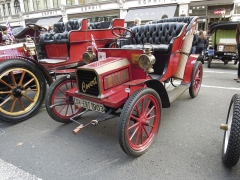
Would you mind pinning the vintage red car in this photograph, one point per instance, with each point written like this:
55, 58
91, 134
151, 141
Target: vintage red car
27, 68
130, 81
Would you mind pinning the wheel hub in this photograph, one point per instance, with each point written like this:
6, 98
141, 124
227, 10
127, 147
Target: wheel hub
18, 92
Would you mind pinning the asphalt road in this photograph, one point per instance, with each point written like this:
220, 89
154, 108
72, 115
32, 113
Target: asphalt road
188, 145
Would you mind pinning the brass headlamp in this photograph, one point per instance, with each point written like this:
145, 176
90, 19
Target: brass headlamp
29, 46
145, 61
89, 55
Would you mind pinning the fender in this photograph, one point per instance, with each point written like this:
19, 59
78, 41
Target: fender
189, 69
38, 65
151, 83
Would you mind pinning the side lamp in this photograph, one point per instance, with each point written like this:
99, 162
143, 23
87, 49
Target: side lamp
146, 61
89, 56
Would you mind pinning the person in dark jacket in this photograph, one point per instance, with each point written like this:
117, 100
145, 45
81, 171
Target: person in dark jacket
201, 41
238, 48
194, 43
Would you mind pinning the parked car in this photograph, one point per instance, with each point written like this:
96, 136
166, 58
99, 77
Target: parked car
231, 138
26, 68
129, 82
222, 43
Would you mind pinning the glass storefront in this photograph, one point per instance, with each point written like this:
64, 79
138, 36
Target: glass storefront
101, 18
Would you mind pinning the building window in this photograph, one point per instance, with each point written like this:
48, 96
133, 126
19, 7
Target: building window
81, 1
9, 9
17, 6
71, 2
26, 5
4, 10
56, 3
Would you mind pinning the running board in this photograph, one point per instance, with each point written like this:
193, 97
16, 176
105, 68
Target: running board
176, 92
52, 61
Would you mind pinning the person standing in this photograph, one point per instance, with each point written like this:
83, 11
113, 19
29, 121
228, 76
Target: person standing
136, 22
238, 48
201, 41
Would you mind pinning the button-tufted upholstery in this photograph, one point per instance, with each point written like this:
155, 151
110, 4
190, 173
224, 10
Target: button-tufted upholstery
189, 20
59, 27
73, 24
159, 35
94, 25
61, 37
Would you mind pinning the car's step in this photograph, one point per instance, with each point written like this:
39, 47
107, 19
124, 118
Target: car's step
176, 92
52, 61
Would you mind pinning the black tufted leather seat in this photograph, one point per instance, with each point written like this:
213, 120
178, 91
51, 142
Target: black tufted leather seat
159, 35
73, 24
95, 25
189, 20
59, 27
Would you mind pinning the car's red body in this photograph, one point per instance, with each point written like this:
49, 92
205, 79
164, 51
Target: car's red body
126, 78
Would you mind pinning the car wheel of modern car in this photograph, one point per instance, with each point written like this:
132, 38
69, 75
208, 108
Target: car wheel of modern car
231, 139
139, 121
22, 90
59, 106
196, 79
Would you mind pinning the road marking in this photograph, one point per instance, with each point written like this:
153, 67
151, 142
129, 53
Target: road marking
220, 87
9, 171
219, 72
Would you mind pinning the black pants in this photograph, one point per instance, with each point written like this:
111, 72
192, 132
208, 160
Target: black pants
238, 46
199, 50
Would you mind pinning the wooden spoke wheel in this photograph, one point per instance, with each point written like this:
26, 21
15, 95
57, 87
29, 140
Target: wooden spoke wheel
196, 79
121, 32
22, 90
64, 108
139, 121
231, 139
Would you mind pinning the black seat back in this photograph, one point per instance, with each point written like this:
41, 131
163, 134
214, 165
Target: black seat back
59, 27
73, 24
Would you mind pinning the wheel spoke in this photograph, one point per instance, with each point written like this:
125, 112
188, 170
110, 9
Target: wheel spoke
6, 84
21, 79
61, 109
134, 125
28, 98
13, 78
138, 134
62, 92
27, 83
66, 110
151, 117
5, 92
71, 108
134, 132
139, 114
13, 104
135, 118
142, 107
148, 102
145, 130
21, 102
30, 90
150, 111
6, 100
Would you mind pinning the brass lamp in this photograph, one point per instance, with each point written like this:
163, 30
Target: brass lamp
29, 46
89, 55
145, 61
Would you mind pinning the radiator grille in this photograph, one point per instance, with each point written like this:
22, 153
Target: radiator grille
88, 82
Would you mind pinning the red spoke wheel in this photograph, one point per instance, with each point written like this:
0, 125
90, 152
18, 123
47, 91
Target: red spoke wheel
64, 109
231, 139
139, 121
196, 79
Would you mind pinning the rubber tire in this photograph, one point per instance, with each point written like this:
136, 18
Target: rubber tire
191, 88
15, 63
209, 61
124, 117
231, 157
50, 93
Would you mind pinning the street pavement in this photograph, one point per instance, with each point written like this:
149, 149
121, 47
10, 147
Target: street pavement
188, 145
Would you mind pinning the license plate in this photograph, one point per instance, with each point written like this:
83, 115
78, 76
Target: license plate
89, 105
228, 54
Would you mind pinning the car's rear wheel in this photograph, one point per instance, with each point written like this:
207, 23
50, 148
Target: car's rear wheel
231, 139
139, 122
196, 79
209, 61
62, 105
22, 90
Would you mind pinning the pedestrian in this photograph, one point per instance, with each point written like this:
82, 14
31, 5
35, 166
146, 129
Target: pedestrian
238, 48
164, 16
194, 43
136, 22
201, 41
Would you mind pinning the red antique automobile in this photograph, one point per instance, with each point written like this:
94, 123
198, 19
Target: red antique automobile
26, 68
130, 81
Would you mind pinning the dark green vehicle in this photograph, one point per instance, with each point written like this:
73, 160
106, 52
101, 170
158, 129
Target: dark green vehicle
222, 43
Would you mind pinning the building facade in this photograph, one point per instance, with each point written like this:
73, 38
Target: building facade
48, 12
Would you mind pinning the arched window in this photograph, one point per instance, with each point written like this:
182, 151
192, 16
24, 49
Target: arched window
17, 6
